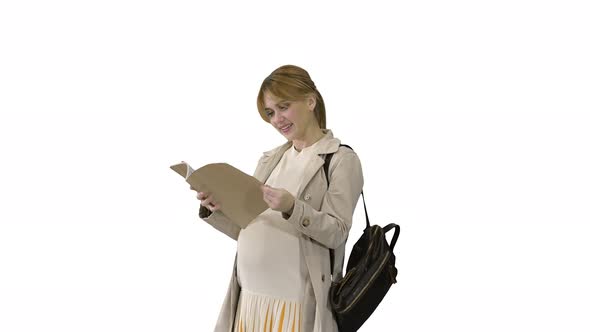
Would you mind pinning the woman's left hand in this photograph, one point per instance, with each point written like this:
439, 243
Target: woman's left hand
278, 199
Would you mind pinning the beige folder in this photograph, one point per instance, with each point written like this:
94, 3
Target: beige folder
238, 193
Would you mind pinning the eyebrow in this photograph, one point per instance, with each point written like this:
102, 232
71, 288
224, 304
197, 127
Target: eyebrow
280, 102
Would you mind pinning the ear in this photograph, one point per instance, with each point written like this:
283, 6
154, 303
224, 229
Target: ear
311, 102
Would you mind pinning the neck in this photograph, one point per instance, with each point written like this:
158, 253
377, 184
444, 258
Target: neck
311, 136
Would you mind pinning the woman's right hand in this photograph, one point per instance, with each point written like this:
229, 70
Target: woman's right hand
207, 200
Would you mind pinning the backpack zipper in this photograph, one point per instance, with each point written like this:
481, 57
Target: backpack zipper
370, 280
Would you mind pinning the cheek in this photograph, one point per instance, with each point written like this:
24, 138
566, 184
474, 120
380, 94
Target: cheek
293, 116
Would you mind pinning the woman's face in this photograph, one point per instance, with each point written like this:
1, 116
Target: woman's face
291, 118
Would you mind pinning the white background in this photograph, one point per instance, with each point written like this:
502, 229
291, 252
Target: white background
471, 120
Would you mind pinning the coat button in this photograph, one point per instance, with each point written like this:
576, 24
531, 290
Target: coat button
323, 278
305, 222
307, 197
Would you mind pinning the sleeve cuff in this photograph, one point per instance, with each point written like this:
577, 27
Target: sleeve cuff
295, 217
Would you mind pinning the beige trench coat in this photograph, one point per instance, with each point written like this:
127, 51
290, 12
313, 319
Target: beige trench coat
323, 217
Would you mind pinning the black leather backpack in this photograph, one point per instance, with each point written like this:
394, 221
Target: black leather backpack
370, 272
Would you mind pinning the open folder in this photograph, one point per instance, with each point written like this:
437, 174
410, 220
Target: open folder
238, 193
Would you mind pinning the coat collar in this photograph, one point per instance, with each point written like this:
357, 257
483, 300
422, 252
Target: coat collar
327, 144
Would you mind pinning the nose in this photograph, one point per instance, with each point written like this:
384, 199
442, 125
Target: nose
277, 119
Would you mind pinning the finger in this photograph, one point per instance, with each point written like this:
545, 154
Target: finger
270, 192
211, 201
270, 200
214, 206
207, 201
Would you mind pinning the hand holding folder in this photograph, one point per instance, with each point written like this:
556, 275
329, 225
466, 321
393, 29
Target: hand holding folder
238, 193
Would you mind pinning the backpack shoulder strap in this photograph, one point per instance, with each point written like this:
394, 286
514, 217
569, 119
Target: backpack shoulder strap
327, 163
326, 167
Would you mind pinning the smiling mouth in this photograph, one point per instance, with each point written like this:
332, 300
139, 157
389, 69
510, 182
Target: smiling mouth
286, 128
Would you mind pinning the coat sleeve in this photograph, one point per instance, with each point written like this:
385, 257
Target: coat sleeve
331, 225
220, 222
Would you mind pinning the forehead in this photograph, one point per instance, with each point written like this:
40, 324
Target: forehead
270, 99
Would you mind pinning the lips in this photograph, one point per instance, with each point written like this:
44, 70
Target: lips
286, 128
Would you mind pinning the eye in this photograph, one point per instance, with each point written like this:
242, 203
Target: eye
283, 107
269, 113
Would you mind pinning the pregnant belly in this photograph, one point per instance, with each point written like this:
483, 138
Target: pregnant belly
269, 257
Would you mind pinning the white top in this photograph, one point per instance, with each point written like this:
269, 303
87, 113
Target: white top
271, 268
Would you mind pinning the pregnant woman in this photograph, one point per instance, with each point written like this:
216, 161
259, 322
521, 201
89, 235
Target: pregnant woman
282, 272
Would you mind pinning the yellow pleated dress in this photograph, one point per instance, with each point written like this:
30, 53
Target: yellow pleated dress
271, 268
